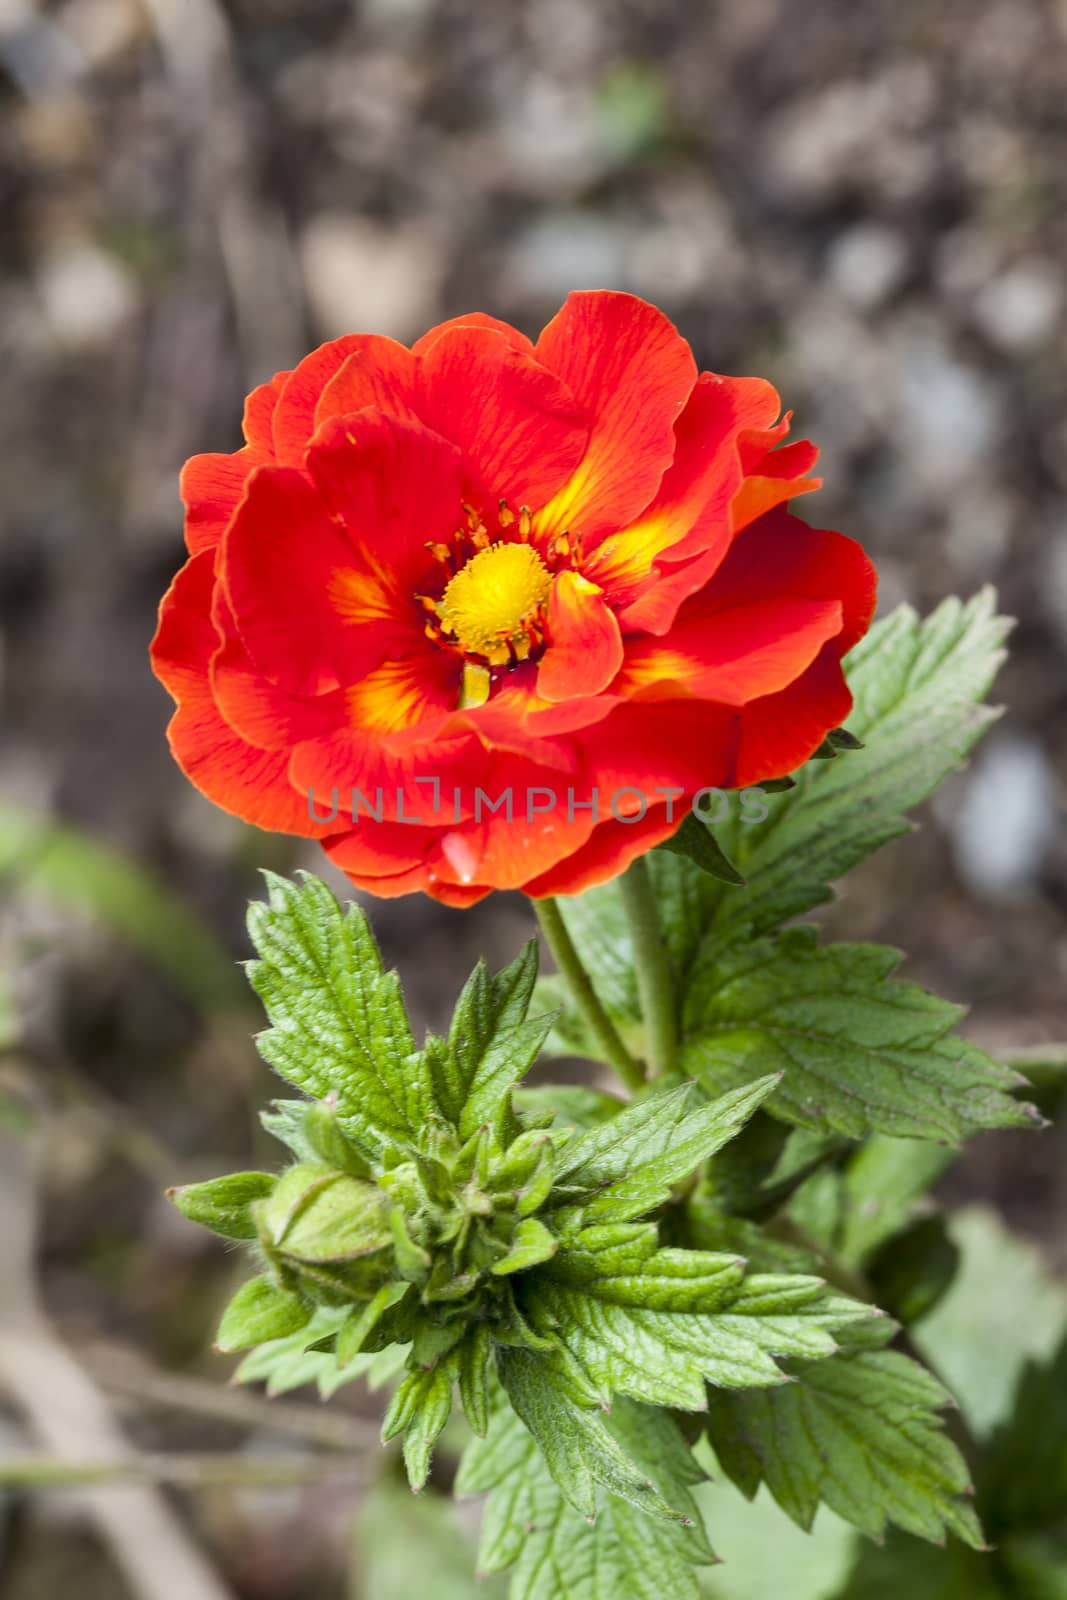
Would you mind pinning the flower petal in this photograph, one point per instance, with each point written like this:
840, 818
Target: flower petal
782, 731
519, 428
608, 851
585, 647
257, 709
250, 783
377, 372
473, 319
780, 554
397, 487
731, 655
294, 415
290, 577
779, 476
258, 422
211, 490
631, 370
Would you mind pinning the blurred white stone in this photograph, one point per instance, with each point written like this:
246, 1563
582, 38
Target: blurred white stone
979, 528
367, 277
867, 263
1008, 819
947, 413
87, 294
1018, 310
551, 134
565, 251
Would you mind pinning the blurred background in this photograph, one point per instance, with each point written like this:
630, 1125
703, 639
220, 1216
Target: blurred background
863, 203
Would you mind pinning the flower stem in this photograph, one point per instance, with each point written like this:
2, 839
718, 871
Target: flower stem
585, 997
654, 984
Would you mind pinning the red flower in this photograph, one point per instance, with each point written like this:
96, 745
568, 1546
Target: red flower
483, 572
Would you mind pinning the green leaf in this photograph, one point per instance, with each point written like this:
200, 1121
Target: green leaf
860, 1433
574, 1104
695, 842
1024, 1486
491, 1043
861, 1052
290, 1363
1003, 1308
409, 1545
884, 1183
362, 1321
625, 1166
419, 1409
225, 1204
531, 1243
557, 1553
914, 1270
909, 1567
260, 1310
614, 1327
579, 1449
339, 1025
918, 687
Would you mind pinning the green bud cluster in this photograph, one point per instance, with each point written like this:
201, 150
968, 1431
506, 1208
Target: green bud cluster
420, 1242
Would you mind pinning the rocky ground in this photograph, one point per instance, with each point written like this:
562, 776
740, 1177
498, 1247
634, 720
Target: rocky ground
864, 203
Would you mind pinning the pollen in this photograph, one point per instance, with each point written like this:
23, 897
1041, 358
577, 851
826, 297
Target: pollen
493, 603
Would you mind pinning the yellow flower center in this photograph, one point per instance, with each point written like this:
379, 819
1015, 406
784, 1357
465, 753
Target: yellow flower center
491, 605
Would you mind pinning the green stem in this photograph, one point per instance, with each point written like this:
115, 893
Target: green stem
652, 966
585, 997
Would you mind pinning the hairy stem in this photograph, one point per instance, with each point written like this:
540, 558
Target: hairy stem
585, 997
654, 984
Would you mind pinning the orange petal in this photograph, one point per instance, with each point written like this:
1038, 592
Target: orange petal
585, 646
731, 655
246, 781
211, 489
631, 370
258, 423
377, 372
473, 319
289, 575
519, 428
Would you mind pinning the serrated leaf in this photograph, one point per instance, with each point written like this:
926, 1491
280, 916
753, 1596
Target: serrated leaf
579, 1449
615, 1330
491, 1043
260, 1310
419, 1409
361, 1322
225, 1204
475, 1376
689, 1143
531, 1244
291, 1363
861, 1051
917, 686
860, 1433
557, 1554
338, 1021
696, 843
